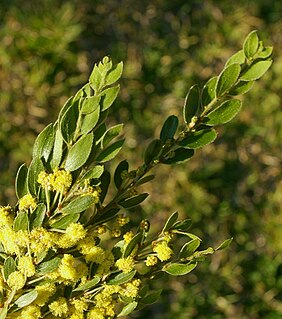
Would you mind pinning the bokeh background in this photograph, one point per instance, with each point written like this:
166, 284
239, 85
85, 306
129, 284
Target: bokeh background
231, 188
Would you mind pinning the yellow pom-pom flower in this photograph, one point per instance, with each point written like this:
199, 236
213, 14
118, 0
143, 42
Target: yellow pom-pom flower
27, 202
125, 264
31, 312
45, 291
151, 261
61, 181
16, 280
72, 268
59, 307
26, 266
128, 236
164, 252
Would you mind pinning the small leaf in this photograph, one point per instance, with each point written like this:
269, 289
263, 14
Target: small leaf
179, 155
105, 182
89, 121
44, 142
122, 278
169, 128
88, 285
265, 53
225, 244
133, 201
152, 297
79, 153
38, 215
227, 78
170, 222
132, 244
199, 138
241, 88
89, 104
110, 134
35, 167
177, 269
128, 309
251, 44
65, 221
122, 166
238, 57
144, 180
9, 267
57, 150
224, 113
78, 205
110, 152
108, 97
21, 181
95, 172
114, 74
21, 222
69, 121
208, 93
256, 71
48, 266
182, 225
95, 77
106, 216
152, 151
191, 103
189, 248
26, 299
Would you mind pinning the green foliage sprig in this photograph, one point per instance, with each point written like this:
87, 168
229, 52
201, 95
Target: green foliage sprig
65, 248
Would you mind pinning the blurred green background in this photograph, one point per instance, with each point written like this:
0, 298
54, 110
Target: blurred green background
231, 188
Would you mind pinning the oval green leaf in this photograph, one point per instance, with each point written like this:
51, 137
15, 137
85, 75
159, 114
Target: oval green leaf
65, 221
251, 44
78, 205
189, 248
110, 134
225, 244
110, 152
199, 139
208, 93
133, 201
88, 285
238, 57
89, 104
38, 216
169, 128
170, 222
256, 71
21, 181
122, 166
35, 167
191, 103
26, 299
44, 142
227, 78
21, 222
153, 151
121, 278
89, 121
177, 269
9, 267
57, 150
48, 266
128, 309
108, 97
114, 74
132, 244
180, 155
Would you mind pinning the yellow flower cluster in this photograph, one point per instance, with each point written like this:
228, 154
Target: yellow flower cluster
151, 260
26, 266
164, 252
60, 180
73, 234
16, 280
122, 220
128, 236
27, 202
125, 264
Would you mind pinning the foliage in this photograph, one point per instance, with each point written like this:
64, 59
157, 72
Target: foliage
54, 241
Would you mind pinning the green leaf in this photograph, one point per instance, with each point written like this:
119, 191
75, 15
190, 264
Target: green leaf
176, 269
133, 201
89, 121
241, 88
69, 121
78, 205
224, 113
122, 278
88, 285
114, 74
39, 215
225, 244
251, 44
169, 128
238, 57
21, 181
65, 221
44, 142
208, 93
199, 138
256, 71
152, 297
144, 180
183, 225
105, 182
9, 267
265, 53
35, 167
132, 244
110, 134
89, 104
179, 155
3, 312
110, 152
94, 173
57, 150
21, 222
106, 216
170, 222
189, 248
95, 77
26, 299
108, 97
191, 103
48, 266
128, 309
227, 78
153, 151
79, 153
122, 166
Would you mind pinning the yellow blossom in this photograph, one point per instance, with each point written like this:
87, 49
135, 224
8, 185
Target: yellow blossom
16, 280
96, 313
151, 260
8, 239
72, 268
59, 307
5, 216
125, 264
80, 305
128, 236
26, 266
122, 220
105, 266
101, 229
26, 202
31, 312
45, 291
164, 252
131, 289
116, 233
41, 240
73, 234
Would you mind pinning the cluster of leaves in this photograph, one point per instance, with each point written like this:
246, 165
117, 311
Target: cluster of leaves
80, 143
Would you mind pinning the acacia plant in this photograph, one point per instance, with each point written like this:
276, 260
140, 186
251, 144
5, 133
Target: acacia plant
68, 250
